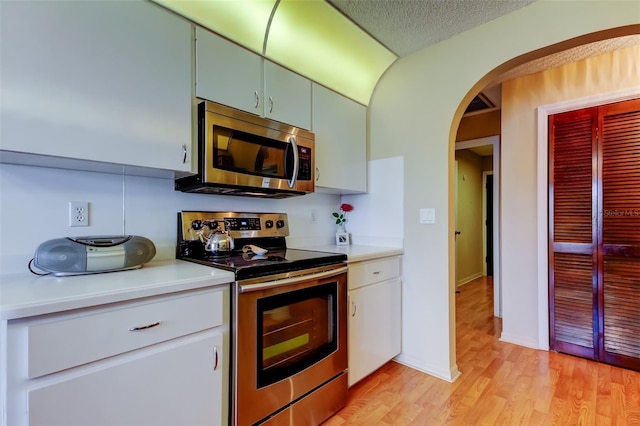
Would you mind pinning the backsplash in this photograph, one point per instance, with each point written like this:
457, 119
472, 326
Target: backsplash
35, 208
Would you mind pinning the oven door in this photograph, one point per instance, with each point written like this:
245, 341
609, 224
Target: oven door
290, 341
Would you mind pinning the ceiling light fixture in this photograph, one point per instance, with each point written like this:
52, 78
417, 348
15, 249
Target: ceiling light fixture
311, 38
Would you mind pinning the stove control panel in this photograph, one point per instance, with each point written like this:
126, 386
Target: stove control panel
194, 225
243, 223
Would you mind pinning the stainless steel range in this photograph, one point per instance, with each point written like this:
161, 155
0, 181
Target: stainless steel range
289, 312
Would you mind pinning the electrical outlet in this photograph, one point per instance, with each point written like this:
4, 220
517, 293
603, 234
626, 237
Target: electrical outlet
78, 213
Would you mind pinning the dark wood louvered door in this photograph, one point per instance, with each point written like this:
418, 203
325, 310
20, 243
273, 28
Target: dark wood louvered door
619, 223
573, 232
594, 233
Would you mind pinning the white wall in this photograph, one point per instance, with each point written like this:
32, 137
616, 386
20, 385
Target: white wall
34, 208
415, 111
376, 218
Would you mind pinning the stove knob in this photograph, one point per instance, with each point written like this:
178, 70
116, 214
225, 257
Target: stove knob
213, 225
196, 225
268, 224
280, 224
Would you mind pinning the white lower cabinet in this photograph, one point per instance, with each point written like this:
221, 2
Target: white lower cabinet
375, 305
161, 368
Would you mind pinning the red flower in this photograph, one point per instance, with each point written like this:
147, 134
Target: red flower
346, 207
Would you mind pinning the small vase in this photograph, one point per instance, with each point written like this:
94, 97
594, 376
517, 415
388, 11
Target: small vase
342, 236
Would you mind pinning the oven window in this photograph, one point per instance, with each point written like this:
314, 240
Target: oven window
242, 152
295, 330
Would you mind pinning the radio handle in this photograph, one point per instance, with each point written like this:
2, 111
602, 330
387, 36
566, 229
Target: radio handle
294, 145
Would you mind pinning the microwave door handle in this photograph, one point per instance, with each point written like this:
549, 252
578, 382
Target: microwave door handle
294, 145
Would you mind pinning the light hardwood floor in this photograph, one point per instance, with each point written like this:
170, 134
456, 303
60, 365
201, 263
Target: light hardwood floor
501, 383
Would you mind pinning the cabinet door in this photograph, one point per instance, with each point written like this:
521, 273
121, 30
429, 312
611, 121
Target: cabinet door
227, 73
287, 96
101, 81
374, 327
340, 126
174, 383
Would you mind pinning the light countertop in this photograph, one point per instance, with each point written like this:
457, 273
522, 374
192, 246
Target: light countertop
26, 294
358, 253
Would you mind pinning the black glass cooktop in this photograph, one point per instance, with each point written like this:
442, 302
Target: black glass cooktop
250, 265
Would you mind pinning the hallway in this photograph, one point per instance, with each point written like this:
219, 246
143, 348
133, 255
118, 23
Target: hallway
501, 383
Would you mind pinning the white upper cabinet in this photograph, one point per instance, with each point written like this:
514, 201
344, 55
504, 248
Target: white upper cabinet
287, 96
227, 73
234, 76
99, 80
340, 126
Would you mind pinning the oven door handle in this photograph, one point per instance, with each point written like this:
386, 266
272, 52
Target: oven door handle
288, 281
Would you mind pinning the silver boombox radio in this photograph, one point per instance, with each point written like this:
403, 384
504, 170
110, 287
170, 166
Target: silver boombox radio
92, 255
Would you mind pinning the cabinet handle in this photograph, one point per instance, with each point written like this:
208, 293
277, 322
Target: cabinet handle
257, 97
317, 174
184, 153
144, 327
354, 309
376, 272
270, 104
215, 358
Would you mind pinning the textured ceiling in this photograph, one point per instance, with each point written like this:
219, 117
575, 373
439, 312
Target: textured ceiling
405, 26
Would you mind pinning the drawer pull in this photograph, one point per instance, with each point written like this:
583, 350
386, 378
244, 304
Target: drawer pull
355, 308
144, 327
215, 358
376, 272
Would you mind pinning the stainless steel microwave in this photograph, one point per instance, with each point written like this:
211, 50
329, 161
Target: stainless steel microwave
243, 154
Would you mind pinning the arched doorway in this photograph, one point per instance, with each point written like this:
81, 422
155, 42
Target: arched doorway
414, 113
615, 71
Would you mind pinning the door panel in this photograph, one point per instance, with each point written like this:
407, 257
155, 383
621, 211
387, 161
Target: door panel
572, 236
594, 234
620, 219
573, 302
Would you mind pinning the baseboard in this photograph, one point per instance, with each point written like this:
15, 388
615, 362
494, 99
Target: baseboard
446, 375
468, 279
516, 340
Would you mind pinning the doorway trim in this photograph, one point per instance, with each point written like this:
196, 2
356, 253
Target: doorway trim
495, 142
544, 112
484, 220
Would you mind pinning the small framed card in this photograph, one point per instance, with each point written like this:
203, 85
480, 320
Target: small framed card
343, 238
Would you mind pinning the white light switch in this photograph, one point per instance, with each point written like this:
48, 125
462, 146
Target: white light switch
428, 216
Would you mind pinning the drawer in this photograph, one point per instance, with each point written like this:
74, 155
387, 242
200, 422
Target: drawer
72, 340
373, 271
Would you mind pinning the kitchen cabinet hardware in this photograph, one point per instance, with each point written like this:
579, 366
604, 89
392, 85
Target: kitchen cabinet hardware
354, 309
257, 98
376, 272
215, 358
144, 327
317, 174
270, 104
184, 153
